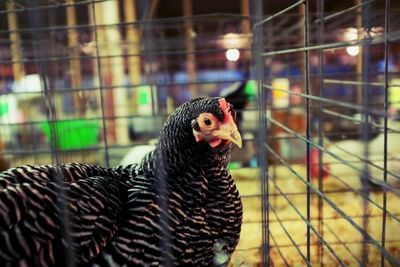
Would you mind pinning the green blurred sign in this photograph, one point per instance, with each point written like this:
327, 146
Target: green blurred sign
3, 108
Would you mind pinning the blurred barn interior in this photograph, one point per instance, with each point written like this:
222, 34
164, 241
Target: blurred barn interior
316, 84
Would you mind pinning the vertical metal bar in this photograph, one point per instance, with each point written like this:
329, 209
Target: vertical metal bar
110, 45
151, 77
366, 92
165, 89
16, 54
258, 47
190, 47
279, 249
40, 52
161, 188
75, 64
358, 23
270, 46
161, 172
133, 41
101, 87
385, 130
307, 91
5, 121
320, 11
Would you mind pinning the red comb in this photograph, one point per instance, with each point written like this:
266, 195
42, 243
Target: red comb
226, 108
223, 104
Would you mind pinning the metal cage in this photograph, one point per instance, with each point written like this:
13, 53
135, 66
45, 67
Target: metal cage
86, 81
334, 206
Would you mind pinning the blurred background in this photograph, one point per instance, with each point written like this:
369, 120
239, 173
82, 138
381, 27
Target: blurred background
316, 84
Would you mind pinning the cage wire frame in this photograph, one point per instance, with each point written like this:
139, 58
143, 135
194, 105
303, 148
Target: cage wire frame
365, 108
270, 188
95, 27
42, 59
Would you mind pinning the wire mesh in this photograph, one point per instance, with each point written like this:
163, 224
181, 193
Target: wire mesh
321, 185
362, 158
162, 78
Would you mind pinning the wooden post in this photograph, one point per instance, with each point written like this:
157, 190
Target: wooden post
93, 52
245, 6
154, 5
16, 55
133, 42
75, 64
112, 69
190, 48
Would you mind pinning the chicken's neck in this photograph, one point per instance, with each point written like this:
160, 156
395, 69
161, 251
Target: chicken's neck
192, 169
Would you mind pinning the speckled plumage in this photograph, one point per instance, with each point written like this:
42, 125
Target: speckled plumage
179, 205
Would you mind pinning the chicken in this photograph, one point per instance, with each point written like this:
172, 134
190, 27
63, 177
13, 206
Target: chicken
352, 153
235, 94
338, 130
180, 205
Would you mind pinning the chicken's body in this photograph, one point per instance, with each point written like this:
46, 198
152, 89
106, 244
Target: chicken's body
352, 153
117, 214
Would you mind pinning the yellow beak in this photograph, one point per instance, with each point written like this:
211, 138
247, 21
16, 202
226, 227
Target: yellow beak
229, 132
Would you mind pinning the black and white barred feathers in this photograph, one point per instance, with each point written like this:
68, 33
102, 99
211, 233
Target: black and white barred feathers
180, 206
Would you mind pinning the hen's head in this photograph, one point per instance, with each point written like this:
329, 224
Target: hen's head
202, 123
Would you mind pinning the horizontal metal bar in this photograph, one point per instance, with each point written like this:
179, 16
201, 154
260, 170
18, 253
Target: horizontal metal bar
341, 242
22, 9
359, 121
278, 248
123, 86
362, 161
336, 243
334, 15
16, 3
289, 236
16, 153
338, 74
393, 260
365, 196
55, 2
328, 192
161, 116
337, 45
20, 153
304, 219
327, 100
220, 17
291, 137
332, 218
369, 162
387, 187
393, 242
332, 81
258, 24
99, 118
141, 54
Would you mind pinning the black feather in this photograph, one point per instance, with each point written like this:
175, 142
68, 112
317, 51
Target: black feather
116, 214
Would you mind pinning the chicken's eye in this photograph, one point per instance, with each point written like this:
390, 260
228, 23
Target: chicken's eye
207, 121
